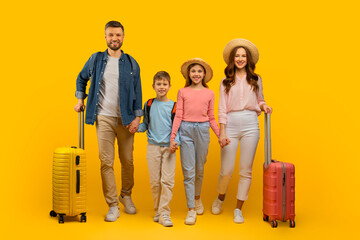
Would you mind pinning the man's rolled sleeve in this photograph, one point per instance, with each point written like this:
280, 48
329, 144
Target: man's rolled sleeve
81, 81
139, 113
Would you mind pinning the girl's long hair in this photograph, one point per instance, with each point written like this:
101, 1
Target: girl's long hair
188, 80
230, 71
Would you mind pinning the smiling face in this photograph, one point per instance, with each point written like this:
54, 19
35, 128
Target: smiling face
196, 74
240, 58
114, 37
161, 87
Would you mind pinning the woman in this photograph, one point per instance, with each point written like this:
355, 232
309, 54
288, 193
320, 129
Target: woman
241, 101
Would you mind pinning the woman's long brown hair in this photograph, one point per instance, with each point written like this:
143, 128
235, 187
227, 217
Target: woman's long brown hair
188, 80
230, 71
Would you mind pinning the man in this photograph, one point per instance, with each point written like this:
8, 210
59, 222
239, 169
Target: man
115, 105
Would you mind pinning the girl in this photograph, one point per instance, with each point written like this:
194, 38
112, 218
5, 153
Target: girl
194, 116
241, 101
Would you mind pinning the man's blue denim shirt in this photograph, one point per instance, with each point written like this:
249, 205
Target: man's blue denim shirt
129, 88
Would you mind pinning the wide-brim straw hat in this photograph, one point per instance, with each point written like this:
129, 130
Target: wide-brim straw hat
240, 42
208, 74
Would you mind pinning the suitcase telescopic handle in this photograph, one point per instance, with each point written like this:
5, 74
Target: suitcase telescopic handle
267, 139
81, 128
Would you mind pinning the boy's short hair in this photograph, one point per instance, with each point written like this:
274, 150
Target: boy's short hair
161, 75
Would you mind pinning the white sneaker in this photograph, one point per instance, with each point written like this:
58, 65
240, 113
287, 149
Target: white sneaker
113, 214
199, 208
128, 204
165, 220
217, 206
238, 218
156, 217
191, 217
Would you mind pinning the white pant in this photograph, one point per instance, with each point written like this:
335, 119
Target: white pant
241, 126
161, 165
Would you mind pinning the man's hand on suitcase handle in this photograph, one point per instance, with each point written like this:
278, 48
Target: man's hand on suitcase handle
79, 106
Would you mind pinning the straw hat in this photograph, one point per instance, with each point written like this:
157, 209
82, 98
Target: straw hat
209, 72
240, 42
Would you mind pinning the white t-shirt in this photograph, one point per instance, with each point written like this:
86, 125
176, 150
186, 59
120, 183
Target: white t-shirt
109, 104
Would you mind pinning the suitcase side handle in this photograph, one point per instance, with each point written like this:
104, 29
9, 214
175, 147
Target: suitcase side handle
77, 181
81, 128
267, 140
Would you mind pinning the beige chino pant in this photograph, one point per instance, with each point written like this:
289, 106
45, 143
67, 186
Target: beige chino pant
161, 164
107, 129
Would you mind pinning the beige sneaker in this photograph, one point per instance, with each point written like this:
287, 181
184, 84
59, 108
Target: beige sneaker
238, 218
217, 206
199, 208
128, 204
156, 217
165, 220
113, 214
191, 217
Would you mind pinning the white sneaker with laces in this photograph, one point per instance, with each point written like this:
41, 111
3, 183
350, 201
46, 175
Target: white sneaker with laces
165, 220
238, 218
113, 214
128, 204
217, 206
191, 217
156, 217
199, 208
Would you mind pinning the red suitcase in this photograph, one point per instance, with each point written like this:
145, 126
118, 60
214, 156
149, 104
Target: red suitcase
279, 186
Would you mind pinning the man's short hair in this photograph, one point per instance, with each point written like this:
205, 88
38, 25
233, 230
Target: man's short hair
161, 75
114, 24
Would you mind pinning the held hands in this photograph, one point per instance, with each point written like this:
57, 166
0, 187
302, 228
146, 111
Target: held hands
266, 108
134, 125
173, 146
223, 140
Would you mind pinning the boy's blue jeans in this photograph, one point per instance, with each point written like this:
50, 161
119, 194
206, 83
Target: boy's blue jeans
195, 139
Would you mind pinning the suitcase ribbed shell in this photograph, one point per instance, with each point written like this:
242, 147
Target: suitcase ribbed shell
66, 173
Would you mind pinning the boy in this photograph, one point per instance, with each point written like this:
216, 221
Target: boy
158, 117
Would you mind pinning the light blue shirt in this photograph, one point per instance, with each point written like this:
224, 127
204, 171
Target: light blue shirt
159, 129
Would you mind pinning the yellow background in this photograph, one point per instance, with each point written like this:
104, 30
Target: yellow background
308, 61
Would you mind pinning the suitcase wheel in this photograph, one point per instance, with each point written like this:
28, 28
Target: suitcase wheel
61, 218
53, 213
292, 223
83, 218
265, 218
274, 224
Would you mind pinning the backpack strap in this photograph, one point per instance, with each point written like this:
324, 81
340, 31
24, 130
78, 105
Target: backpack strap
92, 63
173, 111
148, 106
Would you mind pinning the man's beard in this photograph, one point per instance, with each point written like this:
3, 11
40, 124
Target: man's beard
114, 48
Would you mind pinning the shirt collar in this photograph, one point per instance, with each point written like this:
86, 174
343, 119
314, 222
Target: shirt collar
105, 57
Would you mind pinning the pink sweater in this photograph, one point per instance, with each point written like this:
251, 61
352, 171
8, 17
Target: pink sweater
194, 106
240, 97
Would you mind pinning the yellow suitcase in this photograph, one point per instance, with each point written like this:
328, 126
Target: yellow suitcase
69, 179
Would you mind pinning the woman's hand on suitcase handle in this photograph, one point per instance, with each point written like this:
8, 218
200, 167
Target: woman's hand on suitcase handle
266, 108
